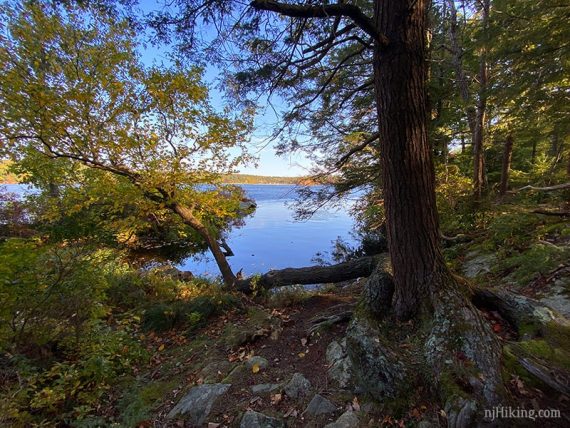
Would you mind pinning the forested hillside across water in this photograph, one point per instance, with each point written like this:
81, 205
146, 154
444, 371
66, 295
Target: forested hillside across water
417, 275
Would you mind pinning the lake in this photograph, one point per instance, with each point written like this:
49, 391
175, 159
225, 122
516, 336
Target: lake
271, 238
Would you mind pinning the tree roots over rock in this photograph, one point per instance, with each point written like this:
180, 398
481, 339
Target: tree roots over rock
450, 350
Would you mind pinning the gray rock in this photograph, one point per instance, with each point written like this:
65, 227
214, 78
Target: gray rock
426, 424
319, 405
557, 297
340, 366
298, 386
378, 370
265, 388
210, 372
197, 404
236, 374
460, 412
260, 361
346, 420
253, 419
476, 264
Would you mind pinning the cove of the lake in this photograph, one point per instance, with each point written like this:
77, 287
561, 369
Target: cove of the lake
271, 238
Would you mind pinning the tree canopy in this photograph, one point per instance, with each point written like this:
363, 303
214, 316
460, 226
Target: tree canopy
75, 98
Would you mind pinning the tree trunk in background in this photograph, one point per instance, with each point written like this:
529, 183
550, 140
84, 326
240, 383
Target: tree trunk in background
507, 157
400, 72
479, 131
475, 115
461, 79
188, 217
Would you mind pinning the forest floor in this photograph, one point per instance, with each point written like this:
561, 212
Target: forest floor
265, 346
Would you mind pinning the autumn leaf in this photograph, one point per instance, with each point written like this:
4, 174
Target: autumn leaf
255, 368
355, 404
161, 347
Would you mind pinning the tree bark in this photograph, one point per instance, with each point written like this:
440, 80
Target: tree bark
188, 217
358, 268
507, 157
400, 73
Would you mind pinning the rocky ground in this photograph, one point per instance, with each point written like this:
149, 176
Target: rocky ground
282, 362
287, 366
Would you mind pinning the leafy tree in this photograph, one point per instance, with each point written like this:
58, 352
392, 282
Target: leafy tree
74, 95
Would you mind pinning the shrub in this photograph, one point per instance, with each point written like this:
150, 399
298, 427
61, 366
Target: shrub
49, 293
192, 313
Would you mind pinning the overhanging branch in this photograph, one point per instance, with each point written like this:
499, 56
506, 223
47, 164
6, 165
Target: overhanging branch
356, 149
324, 11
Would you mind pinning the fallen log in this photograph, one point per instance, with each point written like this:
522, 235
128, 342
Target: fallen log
554, 213
545, 189
361, 267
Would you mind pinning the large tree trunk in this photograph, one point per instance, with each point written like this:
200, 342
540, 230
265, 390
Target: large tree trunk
188, 217
400, 73
423, 286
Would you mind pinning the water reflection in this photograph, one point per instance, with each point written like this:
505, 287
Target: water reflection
272, 239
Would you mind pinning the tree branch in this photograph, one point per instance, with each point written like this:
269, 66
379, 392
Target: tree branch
324, 11
356, 149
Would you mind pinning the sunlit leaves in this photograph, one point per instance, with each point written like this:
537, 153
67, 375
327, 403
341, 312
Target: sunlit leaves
80, 110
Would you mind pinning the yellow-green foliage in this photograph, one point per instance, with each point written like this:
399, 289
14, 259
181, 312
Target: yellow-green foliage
49, 293
55, 333
72, 389
6, 175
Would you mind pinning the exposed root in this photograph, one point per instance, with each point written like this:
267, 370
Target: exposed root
555, 378
529, 317
323, 322
465, 357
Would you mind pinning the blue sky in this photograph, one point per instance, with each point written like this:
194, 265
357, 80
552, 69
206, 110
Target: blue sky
268, 163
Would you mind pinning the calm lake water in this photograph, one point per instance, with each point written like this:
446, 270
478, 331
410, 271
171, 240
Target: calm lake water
273, 239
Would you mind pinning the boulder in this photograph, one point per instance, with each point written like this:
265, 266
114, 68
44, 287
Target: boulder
253, 419
319, 405
346, 420
377, 369
297, 387
261, 362
197, 403
265, 388
378, 290
476, 264
340, 366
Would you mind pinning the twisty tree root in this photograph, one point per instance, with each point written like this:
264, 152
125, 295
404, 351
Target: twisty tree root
453, 352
